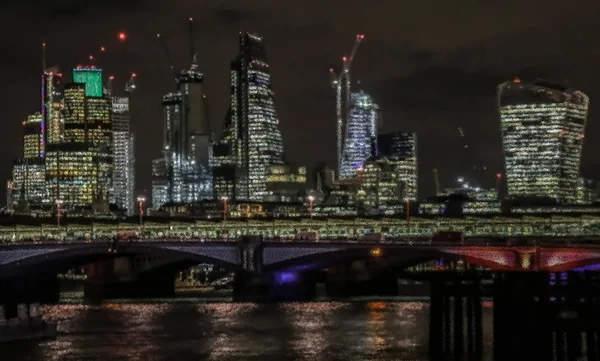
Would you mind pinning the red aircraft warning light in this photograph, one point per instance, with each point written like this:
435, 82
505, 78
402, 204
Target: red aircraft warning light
134, 74
112, 77
103, 49
122, 36
498, 175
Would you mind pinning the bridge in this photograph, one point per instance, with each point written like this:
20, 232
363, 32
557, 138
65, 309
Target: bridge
254, 255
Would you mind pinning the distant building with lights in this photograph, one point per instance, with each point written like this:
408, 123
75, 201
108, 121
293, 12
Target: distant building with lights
52, 106
183, 174
400, 149
542, 128
380, 184
360, 140
286, 183
79, 168
123, 181
251, 141
28, 184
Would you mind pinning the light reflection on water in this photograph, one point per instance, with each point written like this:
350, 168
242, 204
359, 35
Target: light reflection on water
377, 330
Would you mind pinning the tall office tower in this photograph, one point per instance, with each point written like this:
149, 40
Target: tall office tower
74, 126
401, 151
52, 106
124, 161
79, 169
360, 134
28, 176
543, 127
252, 131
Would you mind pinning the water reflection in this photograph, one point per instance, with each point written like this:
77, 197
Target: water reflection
362, 331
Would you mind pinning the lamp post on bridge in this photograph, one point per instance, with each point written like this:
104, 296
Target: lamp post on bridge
407, 210
224, 199
59, 203
311, 202
141, 201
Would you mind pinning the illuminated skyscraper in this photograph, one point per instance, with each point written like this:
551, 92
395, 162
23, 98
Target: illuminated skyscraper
80, 167
124, 161
543, 128
74, 114
360, 138
400, 149
252, 134
52, 106
28, 176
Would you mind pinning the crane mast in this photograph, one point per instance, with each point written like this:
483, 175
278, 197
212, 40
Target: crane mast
167, 54
436, 181
130, 85
192, 49
342, 84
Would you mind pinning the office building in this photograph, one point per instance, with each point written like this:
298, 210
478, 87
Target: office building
360, 134
542, 128
400, 149
380, 184
52, 106
251, 133
123, 180
286, 183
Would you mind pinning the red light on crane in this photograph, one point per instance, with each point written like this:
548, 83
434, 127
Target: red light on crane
111, 77
122, 36
344, 58
360, 36
133, 75
103, 49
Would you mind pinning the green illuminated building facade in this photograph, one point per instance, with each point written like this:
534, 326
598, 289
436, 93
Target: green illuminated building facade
92, 78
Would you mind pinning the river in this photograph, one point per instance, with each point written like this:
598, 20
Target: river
194, 330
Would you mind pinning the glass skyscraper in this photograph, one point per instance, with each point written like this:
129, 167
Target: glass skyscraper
124, 161
400, 149
251, 140
360, 138
543, 127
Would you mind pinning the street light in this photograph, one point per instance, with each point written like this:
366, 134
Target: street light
224, 199
58, 202
311, 201
141, 201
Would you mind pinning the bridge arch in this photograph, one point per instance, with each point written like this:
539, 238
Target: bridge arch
397, 256
18, 261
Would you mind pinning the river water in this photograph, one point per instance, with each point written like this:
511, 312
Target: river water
384, 330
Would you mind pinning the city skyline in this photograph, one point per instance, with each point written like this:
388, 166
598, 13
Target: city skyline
436, 131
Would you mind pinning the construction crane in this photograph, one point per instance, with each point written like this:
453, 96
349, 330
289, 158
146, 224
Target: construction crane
193, 59
130, 85
109, 85
436, 181
342, 83
168, 54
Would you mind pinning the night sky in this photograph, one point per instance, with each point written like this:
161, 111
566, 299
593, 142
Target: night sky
433, 66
